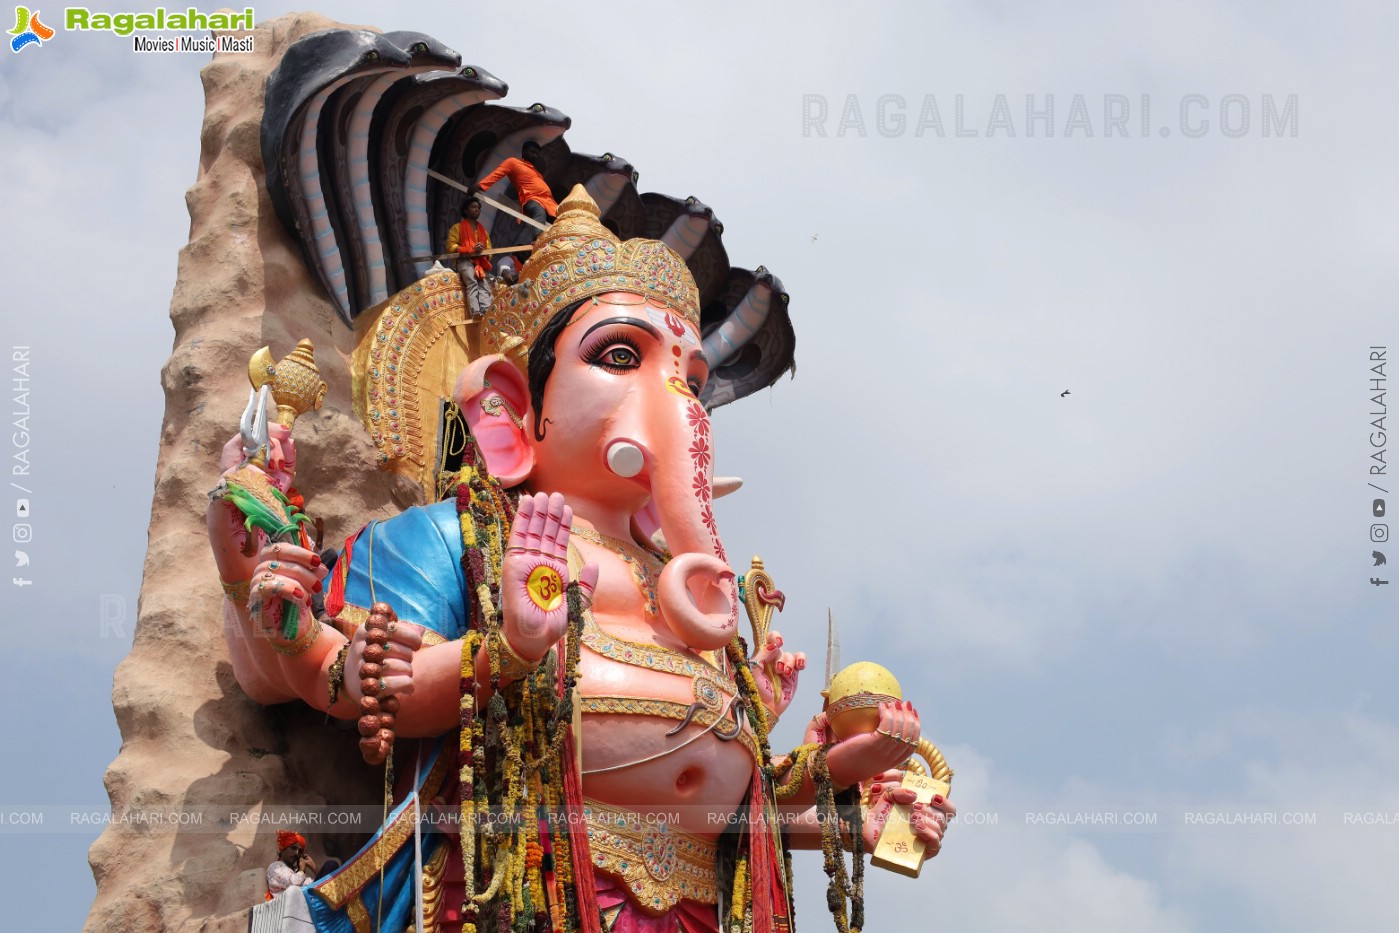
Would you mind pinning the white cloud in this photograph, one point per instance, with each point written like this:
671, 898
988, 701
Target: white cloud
1332, 874
1003, 876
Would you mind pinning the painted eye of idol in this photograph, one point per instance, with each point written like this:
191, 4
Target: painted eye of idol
613, 352
615, 345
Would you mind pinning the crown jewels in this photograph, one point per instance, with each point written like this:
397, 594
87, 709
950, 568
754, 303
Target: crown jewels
578, 258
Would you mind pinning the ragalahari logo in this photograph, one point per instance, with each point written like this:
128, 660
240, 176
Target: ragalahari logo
28, 30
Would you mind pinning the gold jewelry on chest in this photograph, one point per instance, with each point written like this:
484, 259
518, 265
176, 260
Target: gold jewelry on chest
646, 565
726, 724
707, 681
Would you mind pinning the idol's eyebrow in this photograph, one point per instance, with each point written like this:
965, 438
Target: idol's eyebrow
635, 322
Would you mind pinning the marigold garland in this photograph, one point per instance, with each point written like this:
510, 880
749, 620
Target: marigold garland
840, 890
792, 774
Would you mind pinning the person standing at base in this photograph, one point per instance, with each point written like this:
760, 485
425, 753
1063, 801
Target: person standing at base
536, 200
469, 239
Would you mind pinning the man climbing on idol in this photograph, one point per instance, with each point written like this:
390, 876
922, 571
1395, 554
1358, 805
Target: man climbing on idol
536, 200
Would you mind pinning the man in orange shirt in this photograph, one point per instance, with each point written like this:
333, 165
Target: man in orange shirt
469, 239
536, 200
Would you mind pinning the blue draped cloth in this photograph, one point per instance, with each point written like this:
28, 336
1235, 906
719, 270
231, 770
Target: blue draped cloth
416, 558
416, 568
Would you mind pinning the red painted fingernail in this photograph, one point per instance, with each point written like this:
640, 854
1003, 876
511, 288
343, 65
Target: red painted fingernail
297, 594
317, 587
937, 798
315, 560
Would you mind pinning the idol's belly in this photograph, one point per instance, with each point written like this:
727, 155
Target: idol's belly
694, 779
697, 788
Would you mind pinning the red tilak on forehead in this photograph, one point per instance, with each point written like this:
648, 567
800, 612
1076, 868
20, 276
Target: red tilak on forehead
665, 317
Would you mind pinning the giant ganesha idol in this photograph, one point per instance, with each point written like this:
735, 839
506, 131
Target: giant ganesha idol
546, 660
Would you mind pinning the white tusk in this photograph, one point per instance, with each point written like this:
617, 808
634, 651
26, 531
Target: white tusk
625, 458
723, 485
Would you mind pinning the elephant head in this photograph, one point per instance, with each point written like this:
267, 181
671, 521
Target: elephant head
605, 408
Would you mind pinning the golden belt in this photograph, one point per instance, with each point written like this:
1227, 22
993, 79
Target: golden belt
707, 717
657, 863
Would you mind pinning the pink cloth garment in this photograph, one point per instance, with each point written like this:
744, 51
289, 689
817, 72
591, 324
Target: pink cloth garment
623, 916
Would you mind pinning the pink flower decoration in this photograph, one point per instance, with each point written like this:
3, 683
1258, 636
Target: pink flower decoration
707, 516
699, 421
699, 452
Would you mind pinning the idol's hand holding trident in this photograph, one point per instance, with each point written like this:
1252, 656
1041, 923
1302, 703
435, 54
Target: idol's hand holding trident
259, 502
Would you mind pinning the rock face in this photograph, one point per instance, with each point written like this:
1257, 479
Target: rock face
192, 742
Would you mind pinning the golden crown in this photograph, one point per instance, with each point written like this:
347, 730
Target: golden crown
578, 258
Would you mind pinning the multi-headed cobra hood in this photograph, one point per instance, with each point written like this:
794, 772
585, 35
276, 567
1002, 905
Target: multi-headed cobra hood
355, 124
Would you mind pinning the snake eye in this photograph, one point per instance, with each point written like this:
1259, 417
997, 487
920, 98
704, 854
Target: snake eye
690, 201
468, 72
536, 108
718, 229
371, 56
420, 47
607, 157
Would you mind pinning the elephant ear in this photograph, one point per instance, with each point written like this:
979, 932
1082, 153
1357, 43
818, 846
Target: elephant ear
494, 400
748, 337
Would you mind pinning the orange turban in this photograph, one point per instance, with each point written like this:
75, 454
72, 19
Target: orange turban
287, 838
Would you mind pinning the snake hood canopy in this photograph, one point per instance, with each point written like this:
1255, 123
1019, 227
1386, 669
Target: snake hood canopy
353, 123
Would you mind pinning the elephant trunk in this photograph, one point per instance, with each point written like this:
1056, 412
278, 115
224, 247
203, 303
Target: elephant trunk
697, 593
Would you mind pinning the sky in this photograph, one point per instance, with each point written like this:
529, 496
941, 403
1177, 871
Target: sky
1138, 617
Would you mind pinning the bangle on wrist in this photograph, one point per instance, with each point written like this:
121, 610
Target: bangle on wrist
511, 662
303, 642
237, 593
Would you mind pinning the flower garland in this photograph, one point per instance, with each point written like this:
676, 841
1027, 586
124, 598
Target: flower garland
765, 899
841, 889
519, 864
792, 771
526, 871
